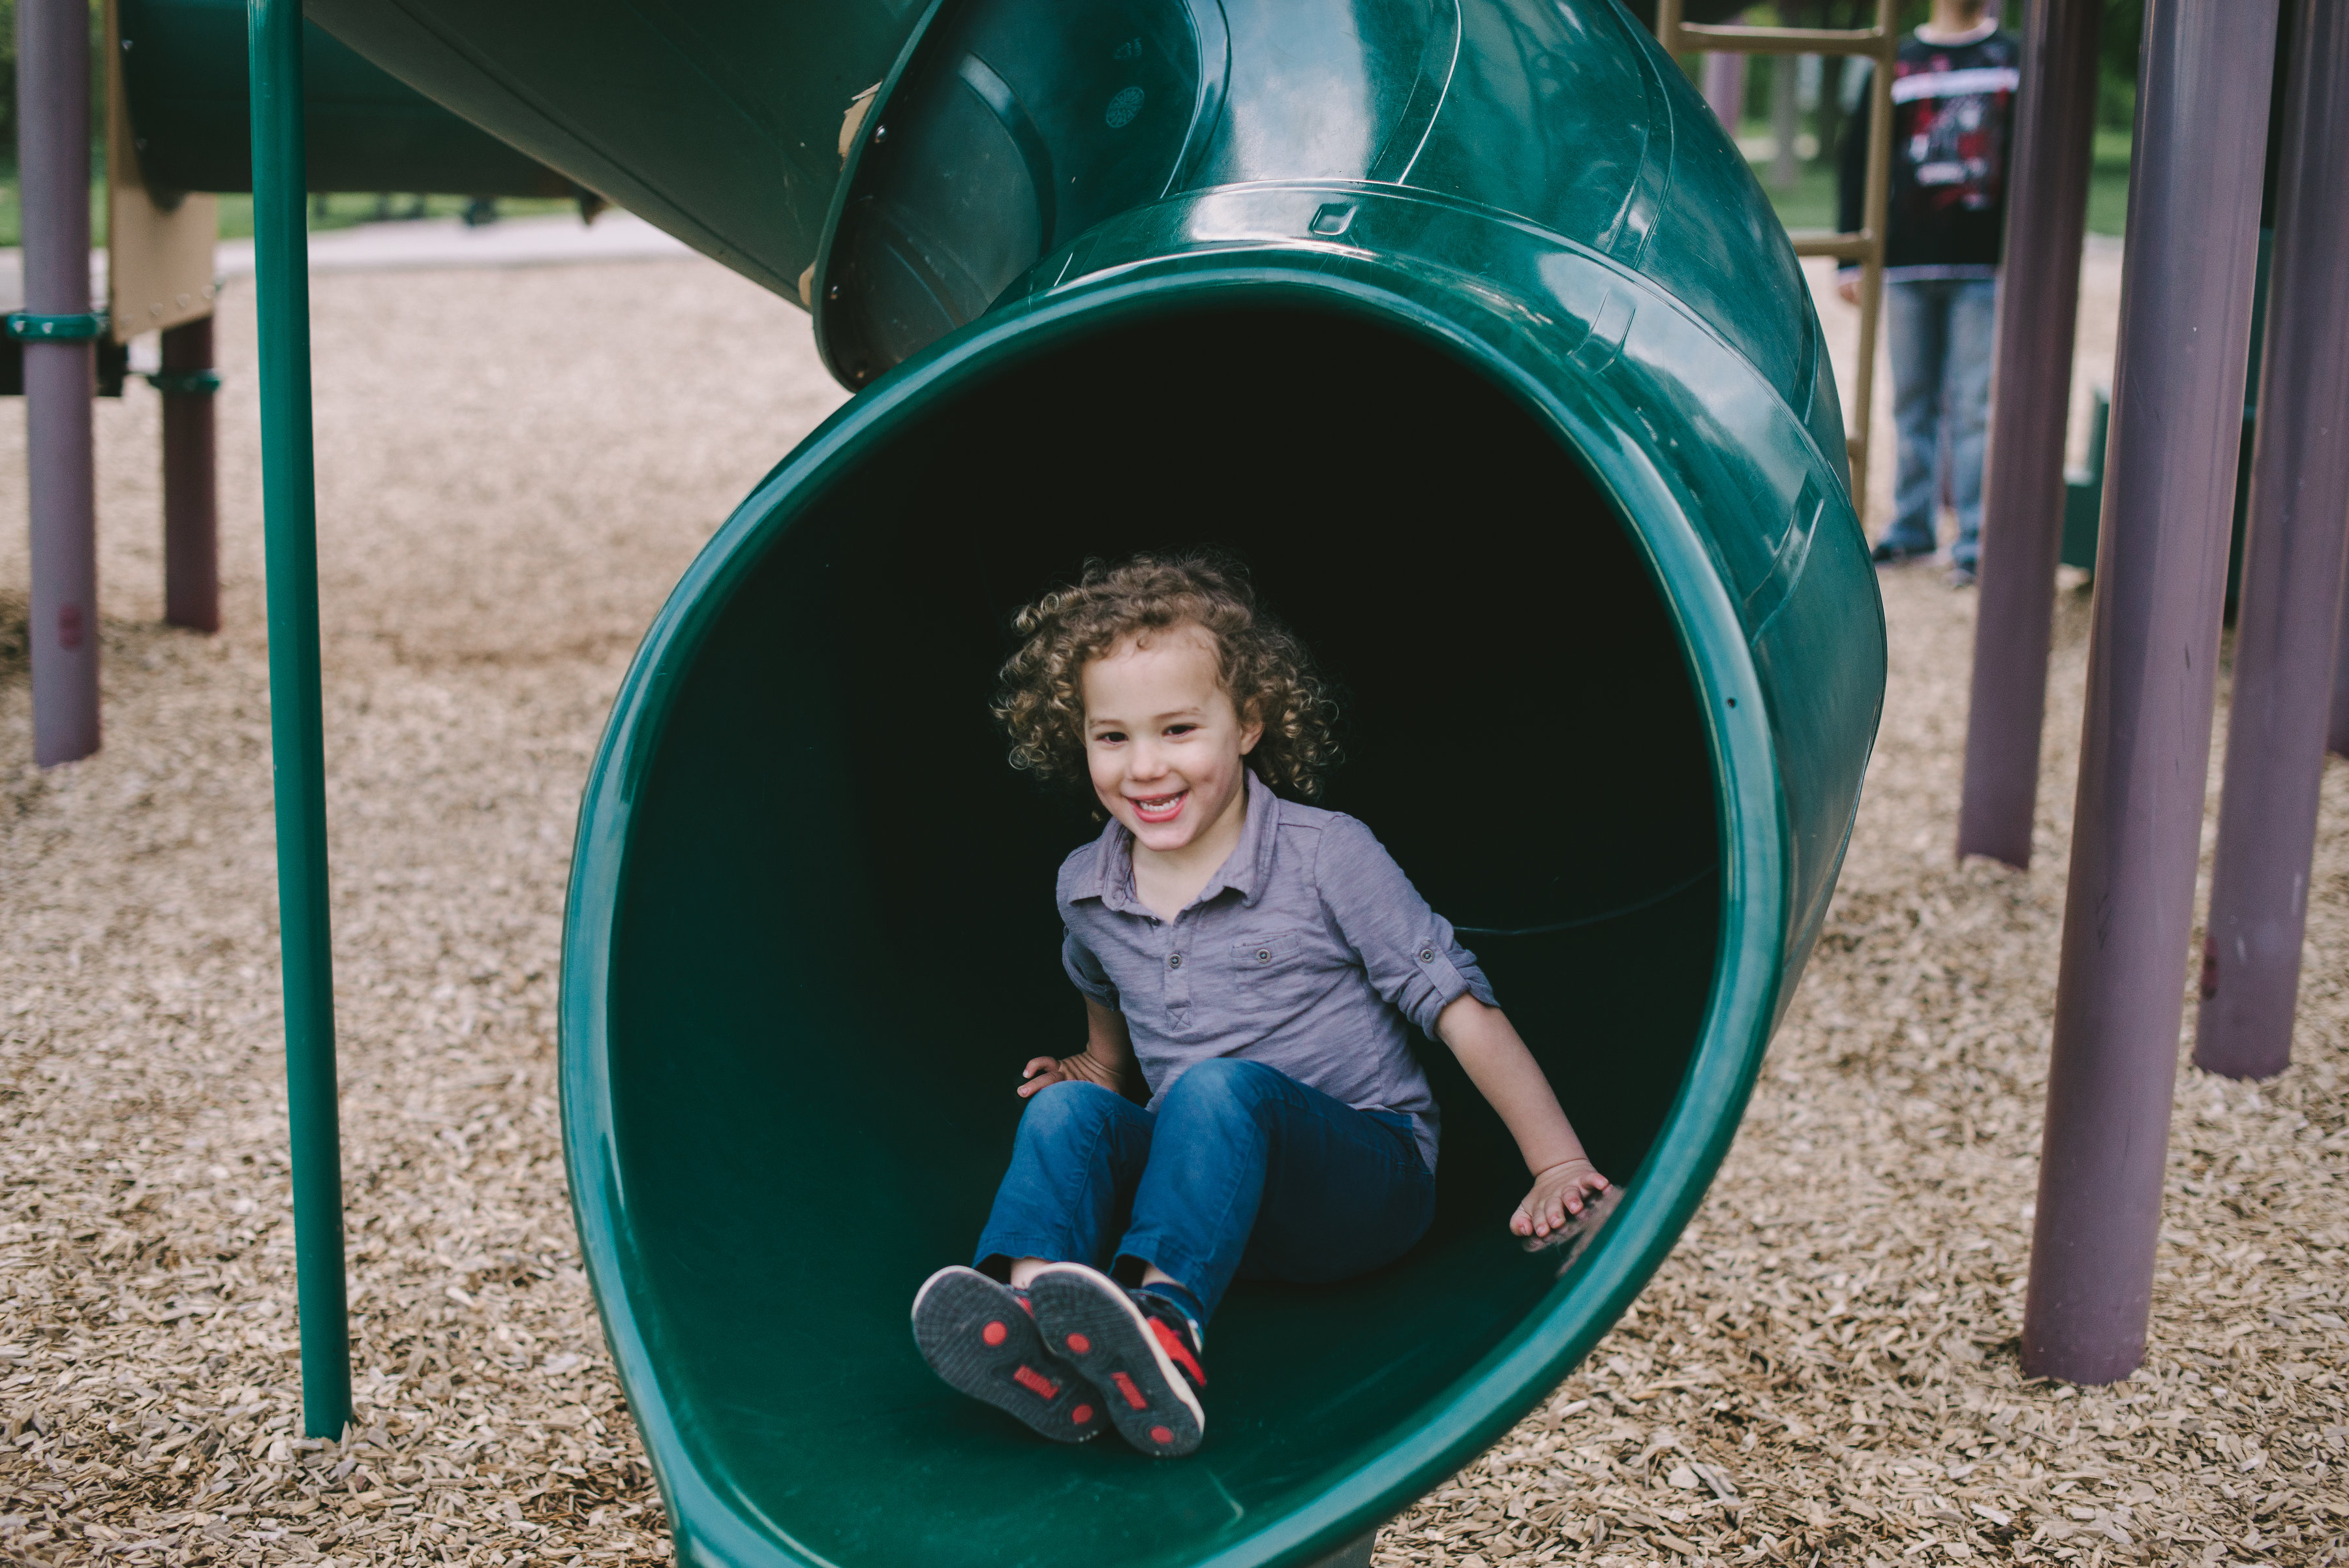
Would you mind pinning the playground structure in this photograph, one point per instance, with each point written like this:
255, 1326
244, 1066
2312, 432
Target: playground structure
1035, 346
178, 130
2180, 393
1880, 45
1170, 253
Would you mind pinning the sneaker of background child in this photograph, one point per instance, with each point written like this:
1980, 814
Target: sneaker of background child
1137, 1347
981, 1337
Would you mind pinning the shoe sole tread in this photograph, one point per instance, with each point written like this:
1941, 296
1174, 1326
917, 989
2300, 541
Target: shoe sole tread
951, 1316
1119, 1354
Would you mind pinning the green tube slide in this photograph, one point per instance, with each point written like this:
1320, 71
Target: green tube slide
185, 84
1466, 324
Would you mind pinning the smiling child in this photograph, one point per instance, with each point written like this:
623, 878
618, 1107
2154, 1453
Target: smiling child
1252, 966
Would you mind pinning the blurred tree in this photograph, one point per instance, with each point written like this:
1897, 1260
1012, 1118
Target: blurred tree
8, 79
8, 82
2117, 91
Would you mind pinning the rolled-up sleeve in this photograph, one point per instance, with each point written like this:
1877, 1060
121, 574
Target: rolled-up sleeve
1414, 959
1085, 972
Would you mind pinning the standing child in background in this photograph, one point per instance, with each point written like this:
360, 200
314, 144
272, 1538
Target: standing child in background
1954, 92
1249, 965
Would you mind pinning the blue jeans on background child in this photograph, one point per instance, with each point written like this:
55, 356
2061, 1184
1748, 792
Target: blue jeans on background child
1241, 1170
1941, 331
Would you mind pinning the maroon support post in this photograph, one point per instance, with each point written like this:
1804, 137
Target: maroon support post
2023, 485
191, 491
2288, 620
2339, 739
1724, 89
2161, 574
52, 171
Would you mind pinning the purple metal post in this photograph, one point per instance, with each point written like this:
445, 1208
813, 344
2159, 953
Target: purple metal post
191, 491
2161, 574
53, 170
2288, 622
1724, 89
2023, 485
2339, 738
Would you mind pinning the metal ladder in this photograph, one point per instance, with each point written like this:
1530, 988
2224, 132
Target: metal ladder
1881, 43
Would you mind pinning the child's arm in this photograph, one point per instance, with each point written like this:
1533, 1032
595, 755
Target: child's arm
1506, 1073
1107, 1058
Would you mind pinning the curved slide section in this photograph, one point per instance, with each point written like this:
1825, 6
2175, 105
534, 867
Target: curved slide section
1466, 324
721, 121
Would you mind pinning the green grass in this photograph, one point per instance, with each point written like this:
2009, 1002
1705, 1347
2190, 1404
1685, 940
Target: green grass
340, 210
1811, 203
2108, 183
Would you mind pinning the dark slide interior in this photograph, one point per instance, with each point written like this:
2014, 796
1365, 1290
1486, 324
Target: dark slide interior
837, 940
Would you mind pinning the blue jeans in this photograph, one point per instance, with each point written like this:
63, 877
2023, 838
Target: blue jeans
1241, 1170
1943, 330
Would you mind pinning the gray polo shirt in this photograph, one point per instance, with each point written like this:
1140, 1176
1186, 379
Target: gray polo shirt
1310, 951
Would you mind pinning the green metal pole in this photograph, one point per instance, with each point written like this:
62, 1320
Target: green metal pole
281, 245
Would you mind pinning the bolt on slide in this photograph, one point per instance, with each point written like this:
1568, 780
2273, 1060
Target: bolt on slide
1465, 324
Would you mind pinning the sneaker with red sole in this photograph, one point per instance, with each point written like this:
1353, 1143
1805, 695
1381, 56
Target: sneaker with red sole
981, 1337
1137, 1348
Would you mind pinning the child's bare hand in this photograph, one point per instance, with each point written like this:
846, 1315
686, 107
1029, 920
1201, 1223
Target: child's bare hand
1559, 1192
1043, 1072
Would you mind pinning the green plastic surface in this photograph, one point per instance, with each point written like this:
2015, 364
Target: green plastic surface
186, 83
75, 326
1467, 326
2083, 488
719, 121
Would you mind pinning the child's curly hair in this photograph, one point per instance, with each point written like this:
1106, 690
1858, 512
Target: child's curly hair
1265, 667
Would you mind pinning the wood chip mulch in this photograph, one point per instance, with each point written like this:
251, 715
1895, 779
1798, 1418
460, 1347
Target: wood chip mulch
1827, 1368
512, 472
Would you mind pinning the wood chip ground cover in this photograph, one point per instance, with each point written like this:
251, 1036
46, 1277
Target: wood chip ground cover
512, 471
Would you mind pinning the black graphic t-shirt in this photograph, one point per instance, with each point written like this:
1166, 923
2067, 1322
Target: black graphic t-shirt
1952, 120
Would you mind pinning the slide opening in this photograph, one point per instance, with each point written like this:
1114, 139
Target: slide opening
836, 939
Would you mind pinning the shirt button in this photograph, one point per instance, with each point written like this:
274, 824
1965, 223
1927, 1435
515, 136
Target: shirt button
1263, 955
1427, 955
1175, 963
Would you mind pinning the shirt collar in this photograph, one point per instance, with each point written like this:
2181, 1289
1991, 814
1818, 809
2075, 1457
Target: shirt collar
1251, 865
1973, 35
1245, 872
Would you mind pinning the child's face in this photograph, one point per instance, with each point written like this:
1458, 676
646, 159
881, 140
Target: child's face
1163, 739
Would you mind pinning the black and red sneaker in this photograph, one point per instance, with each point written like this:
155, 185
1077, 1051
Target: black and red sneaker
981, 1337
1137, 1348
